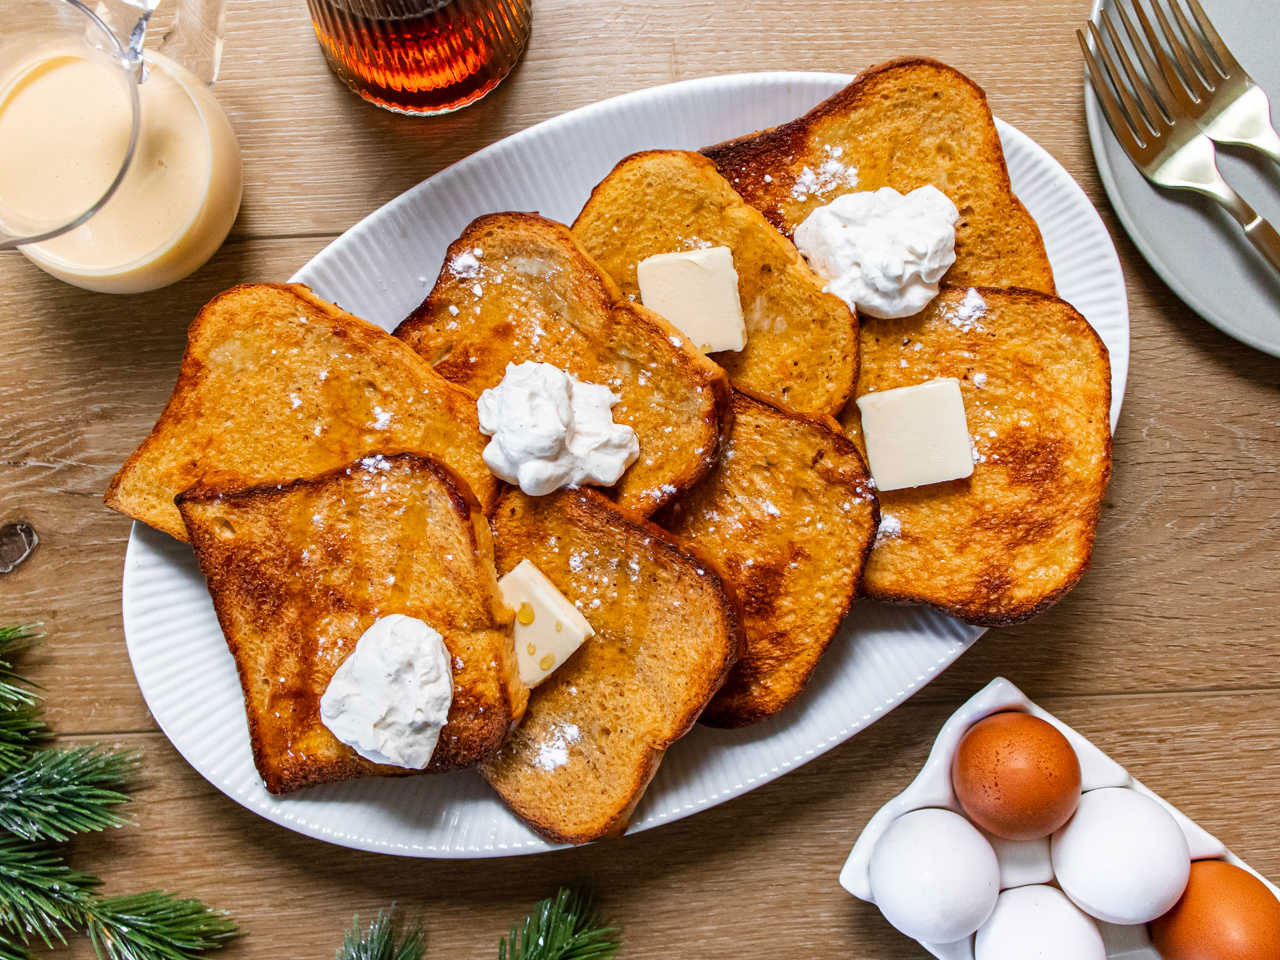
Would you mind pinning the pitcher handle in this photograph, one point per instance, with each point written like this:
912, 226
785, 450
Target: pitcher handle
191, 31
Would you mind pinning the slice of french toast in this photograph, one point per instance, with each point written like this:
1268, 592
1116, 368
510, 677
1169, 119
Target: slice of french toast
667, 631
902, 124
278, 384
802, 344
299, 571
790, 515
1012, 539
517, 287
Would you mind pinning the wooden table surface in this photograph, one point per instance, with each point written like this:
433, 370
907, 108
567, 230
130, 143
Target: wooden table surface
1166, 655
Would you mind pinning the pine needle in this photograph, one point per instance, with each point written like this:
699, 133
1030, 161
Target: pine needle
11, 949
386, 939
21, 731
14, 689
39, 893
564, 927
55, 794
155, 926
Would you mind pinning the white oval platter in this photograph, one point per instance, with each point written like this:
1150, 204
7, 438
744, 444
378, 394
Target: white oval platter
382, 268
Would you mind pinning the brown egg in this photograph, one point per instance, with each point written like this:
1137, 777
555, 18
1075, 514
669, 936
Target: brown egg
1016, 776
1225, 914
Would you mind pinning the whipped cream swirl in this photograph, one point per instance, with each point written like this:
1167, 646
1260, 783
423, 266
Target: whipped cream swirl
390, 698
552, 430
880, 251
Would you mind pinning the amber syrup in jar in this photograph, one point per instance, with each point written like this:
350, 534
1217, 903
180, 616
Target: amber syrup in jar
422, 56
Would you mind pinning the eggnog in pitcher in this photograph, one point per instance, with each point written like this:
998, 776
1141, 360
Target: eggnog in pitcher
65, 123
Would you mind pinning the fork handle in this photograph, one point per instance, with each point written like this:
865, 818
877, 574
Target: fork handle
1246, 122
1264, 139
1264, 236
1259, 231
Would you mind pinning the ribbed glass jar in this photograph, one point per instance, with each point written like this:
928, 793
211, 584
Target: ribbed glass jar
422, 57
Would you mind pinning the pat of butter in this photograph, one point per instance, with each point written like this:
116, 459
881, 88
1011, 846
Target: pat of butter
548, 627
916, 435
697, 291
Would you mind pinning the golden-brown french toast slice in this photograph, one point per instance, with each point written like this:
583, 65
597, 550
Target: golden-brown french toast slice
789, 514
802, 343
517, 287
298, 572
278, 384
902, 124
1012, 539
667, 632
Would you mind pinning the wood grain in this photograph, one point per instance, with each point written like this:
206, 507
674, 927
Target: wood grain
1166, 655
752, 878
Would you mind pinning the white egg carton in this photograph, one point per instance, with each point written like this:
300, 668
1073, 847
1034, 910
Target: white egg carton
1020, 863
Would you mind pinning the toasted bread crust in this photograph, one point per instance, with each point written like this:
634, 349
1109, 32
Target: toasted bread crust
652, 601
205, 432
802, 343
925, 122
535, 294
277, 613
790, 515
1013, 539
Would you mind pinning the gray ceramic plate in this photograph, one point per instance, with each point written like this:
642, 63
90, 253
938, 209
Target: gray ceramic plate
1193, 244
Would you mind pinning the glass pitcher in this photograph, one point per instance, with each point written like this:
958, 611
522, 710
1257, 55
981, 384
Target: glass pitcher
119, 170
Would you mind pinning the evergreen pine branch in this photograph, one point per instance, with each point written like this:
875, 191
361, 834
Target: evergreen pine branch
564, 927
14, 689
21, 731
55, 794
39, 893
386, 939
155, 926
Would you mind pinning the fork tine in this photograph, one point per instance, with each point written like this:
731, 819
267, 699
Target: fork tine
1181, 98
1110, 106
1190, 75
1150, 111
1228, 63
1155, 75
1206, 66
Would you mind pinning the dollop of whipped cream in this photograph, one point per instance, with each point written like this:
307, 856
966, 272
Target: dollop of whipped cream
881, 251
390, 698
552, 430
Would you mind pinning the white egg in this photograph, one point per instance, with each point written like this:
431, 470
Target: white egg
1038, 923
934, 876
1122, 858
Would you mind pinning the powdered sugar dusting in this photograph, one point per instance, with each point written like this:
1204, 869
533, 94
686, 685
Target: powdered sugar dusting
890, 528
830, 175
968, 313
376, 462
465, 265
553, 752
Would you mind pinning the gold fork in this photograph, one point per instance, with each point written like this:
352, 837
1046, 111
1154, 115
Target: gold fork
1158, 130
1218, 92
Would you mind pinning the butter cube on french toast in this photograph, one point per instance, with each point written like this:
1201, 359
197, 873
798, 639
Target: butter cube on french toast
1009, 541
299, 571
789, 514
902, 124
801, 345
517, 287
667, 631
278, 384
